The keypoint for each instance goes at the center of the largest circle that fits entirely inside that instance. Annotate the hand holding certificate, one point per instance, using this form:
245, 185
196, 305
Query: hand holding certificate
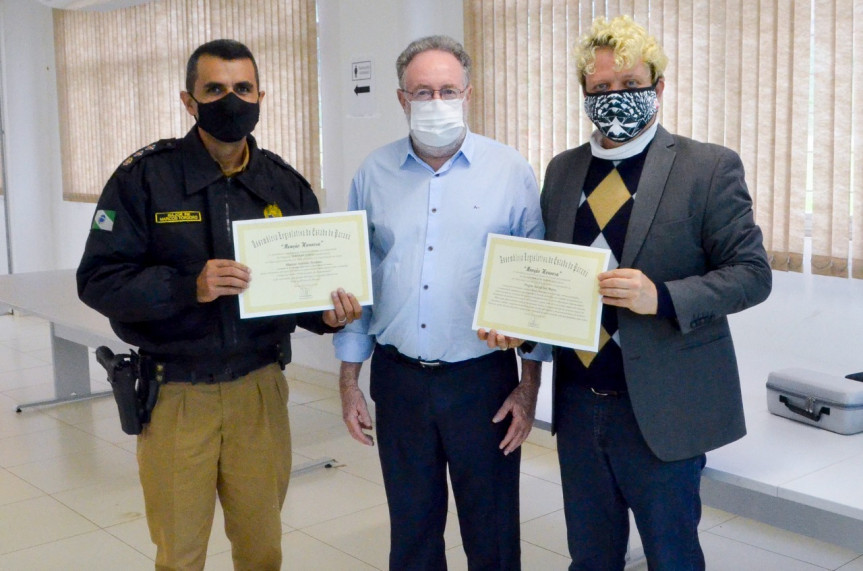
542, 291
298, 261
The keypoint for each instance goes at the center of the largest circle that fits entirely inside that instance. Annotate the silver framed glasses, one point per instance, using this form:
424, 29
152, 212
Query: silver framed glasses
446, 93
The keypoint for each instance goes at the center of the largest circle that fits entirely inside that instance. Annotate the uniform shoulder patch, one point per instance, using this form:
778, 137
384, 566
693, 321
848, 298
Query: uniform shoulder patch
282, 163
152, 148
104, 220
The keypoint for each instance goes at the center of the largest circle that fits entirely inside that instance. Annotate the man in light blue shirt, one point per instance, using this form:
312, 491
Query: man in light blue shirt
443, 398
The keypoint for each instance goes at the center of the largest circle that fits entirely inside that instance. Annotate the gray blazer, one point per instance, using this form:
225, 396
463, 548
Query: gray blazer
692, 228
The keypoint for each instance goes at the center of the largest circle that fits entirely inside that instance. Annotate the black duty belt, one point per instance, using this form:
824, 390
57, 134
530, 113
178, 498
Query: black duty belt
204, 370
395, 355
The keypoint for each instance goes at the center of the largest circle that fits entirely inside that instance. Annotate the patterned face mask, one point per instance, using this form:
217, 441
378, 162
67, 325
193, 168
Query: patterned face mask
622, 115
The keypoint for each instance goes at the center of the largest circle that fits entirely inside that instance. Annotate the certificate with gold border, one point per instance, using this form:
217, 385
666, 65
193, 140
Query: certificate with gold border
541, 291
298, 261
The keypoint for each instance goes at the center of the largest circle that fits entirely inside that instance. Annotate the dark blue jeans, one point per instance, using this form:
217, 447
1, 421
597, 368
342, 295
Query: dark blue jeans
606, 467
431, 420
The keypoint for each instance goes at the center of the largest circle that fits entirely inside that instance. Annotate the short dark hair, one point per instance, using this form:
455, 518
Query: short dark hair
223, 49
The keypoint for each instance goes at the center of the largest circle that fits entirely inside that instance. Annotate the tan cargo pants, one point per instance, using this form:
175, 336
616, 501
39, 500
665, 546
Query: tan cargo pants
228, 440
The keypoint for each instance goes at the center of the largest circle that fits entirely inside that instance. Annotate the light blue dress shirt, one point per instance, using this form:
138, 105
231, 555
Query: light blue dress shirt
427, 233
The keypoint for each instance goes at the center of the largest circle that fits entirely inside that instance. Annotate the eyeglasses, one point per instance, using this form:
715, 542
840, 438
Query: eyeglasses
447, 94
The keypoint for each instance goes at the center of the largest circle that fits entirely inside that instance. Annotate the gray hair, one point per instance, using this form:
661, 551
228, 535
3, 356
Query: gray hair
440, 43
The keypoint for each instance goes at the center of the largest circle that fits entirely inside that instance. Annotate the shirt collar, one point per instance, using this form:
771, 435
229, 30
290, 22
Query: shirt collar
244, 163
466, 151
200, 170
625, 151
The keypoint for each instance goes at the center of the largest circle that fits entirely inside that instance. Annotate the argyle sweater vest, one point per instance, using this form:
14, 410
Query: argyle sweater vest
601, 221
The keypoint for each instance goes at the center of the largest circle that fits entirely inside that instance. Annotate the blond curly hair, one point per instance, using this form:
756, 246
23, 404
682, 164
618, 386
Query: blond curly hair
630, 43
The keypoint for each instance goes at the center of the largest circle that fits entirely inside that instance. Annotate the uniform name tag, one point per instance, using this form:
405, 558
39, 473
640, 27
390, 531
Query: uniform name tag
178, 216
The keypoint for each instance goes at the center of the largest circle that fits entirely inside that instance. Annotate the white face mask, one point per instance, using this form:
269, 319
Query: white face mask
437, 123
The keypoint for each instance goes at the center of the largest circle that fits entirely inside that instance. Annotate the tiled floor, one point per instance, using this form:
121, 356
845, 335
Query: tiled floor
70, 499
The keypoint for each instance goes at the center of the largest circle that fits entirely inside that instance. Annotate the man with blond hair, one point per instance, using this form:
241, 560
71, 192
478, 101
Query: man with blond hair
635, 419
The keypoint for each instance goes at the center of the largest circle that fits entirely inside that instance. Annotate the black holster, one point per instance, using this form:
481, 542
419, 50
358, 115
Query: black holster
134, 393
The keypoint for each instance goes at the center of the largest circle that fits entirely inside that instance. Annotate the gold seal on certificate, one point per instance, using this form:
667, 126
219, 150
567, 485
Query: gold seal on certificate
541, 291
297, 261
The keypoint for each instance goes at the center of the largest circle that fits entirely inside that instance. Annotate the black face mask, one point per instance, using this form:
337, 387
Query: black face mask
228, 119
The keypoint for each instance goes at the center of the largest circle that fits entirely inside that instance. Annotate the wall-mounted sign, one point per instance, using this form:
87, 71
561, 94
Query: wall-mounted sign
362, 87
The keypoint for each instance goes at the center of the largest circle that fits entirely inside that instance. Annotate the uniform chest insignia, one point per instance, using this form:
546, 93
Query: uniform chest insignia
272, 211
178, 216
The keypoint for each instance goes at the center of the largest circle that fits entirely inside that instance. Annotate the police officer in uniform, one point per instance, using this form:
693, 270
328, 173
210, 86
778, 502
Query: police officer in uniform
159, 263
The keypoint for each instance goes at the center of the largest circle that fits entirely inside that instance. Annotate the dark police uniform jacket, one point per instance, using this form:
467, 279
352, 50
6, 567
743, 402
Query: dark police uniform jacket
166, 211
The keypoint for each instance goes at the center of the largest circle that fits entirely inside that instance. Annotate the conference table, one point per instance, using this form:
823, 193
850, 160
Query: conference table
75, 328
52, 296
784, 473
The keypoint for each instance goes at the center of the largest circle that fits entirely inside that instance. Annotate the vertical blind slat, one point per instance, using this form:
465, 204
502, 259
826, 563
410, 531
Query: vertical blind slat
120, 73
739, 75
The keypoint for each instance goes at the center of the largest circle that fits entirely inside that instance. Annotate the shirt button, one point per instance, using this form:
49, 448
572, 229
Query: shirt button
431, 248
434, 210
425, 286
423, 325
